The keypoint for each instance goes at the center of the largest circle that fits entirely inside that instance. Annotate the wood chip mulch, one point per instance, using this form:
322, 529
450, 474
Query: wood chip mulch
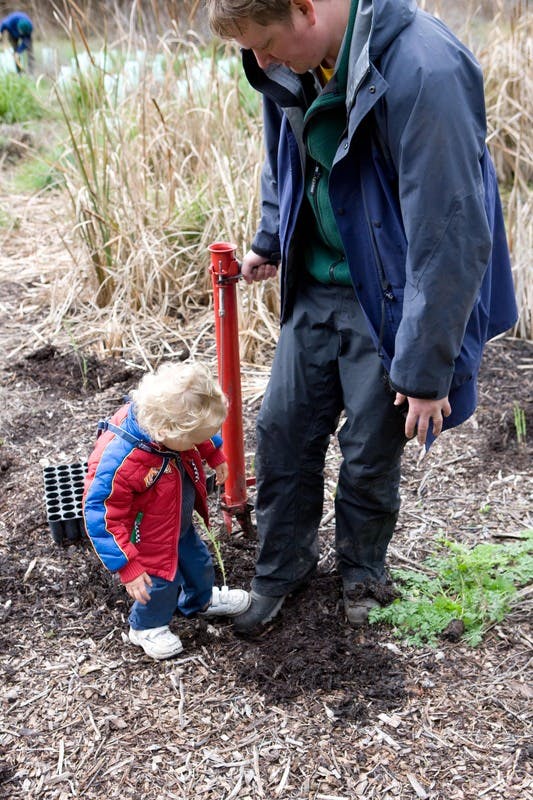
311, 709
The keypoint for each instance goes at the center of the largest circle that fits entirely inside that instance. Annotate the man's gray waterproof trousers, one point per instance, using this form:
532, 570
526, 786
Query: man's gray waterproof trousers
325, 363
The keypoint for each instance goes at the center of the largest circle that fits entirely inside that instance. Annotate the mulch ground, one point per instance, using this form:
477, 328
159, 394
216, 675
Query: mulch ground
311, 709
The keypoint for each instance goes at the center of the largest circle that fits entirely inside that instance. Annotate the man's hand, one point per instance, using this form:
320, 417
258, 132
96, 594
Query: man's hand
421, 412
138, 588
257, 268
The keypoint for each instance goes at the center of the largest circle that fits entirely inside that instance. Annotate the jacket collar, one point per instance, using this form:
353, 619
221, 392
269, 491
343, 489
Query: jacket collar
377, 23
286, 88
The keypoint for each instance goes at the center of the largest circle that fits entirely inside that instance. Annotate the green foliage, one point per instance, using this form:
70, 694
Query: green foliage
19, 101
477, 586
37, 174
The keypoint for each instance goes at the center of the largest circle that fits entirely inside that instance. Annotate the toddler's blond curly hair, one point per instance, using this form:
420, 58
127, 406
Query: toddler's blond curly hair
177, 399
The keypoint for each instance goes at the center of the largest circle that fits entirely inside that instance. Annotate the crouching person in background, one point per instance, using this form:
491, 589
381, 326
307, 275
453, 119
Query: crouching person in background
19, 29
144, 479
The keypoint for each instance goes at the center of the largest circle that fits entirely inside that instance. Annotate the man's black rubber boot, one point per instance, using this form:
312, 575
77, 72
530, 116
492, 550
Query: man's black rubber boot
361, 597
357, 609
261, 610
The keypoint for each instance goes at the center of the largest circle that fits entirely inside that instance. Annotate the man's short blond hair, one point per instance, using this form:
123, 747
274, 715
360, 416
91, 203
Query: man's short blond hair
228, 18
178, 399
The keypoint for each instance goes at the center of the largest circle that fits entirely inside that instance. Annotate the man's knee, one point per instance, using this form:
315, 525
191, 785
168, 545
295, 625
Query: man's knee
371, 490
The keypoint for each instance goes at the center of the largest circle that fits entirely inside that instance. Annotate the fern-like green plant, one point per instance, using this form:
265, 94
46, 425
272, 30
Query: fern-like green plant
476, 585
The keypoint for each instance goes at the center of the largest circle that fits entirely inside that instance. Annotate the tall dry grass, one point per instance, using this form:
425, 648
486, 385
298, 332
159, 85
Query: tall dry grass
154, 177
158, 174
507, 59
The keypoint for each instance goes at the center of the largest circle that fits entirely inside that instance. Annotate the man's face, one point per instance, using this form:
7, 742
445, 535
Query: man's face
293, 42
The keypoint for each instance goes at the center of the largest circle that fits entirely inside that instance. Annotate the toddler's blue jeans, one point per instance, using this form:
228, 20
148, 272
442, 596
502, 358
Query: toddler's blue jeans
189, 592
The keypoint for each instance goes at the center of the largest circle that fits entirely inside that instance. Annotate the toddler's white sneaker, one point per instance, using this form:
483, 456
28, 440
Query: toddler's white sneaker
158, 643
226, 602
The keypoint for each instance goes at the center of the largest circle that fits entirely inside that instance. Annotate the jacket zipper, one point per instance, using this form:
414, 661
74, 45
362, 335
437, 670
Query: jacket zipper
317, 174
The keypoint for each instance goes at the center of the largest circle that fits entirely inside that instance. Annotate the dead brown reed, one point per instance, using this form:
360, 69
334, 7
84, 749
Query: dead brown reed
507, 60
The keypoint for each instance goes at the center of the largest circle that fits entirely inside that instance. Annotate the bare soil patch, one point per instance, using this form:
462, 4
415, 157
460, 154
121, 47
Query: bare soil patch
311, 708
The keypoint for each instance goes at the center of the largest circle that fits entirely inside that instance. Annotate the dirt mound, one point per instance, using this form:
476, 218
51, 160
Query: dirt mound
71, 373
309, 653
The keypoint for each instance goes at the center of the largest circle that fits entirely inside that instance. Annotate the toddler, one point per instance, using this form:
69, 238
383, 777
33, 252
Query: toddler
144, 479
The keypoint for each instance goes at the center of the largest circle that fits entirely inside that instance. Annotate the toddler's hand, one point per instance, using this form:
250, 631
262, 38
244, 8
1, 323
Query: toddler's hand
221, 473
138, 588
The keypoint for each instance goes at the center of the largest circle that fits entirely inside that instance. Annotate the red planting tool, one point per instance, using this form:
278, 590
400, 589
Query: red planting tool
225, 272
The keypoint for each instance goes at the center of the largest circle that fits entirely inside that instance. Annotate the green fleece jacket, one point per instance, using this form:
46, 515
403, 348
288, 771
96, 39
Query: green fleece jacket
324, 124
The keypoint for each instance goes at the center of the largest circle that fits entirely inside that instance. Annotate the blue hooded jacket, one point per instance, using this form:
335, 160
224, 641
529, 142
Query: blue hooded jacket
414, 194
20, 28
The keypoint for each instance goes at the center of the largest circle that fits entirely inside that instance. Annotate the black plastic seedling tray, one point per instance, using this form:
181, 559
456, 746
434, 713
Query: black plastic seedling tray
63, 489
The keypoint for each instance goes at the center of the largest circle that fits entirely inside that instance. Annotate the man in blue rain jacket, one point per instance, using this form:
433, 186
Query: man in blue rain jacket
19, 28
380, 202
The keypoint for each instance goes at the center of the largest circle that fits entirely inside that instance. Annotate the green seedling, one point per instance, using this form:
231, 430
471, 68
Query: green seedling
81, 359
520, 424
213, 538
476, 586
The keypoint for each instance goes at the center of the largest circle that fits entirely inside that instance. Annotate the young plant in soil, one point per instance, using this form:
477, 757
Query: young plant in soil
462, 594
213, 538
520, 425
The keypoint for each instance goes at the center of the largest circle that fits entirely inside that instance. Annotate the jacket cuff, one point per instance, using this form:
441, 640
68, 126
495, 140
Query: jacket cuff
211, 451
262, 249
130, 571
409, 393
216, 458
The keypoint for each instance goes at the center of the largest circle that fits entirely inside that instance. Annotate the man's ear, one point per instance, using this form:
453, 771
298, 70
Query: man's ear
305, 7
